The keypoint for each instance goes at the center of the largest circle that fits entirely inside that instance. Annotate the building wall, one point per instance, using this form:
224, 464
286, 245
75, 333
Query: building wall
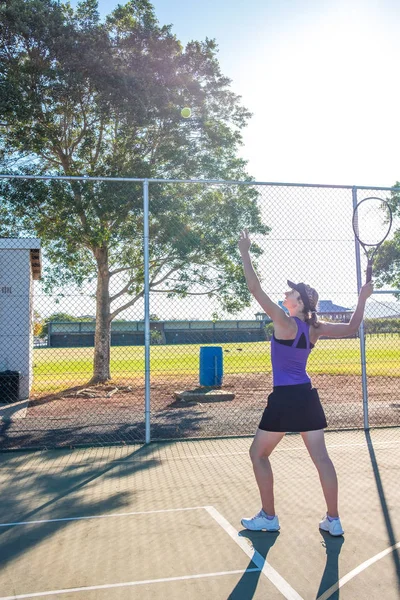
16, 329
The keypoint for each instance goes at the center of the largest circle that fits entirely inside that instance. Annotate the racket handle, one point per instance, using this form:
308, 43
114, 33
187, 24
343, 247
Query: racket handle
369, 273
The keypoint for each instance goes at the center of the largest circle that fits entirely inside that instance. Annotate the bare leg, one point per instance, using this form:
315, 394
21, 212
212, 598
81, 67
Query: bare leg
263, 444
315, 443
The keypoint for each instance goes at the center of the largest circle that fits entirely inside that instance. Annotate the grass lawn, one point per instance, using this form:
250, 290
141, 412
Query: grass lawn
57, 368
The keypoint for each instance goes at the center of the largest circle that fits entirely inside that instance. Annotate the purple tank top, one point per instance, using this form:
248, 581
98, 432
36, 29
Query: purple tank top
289, 362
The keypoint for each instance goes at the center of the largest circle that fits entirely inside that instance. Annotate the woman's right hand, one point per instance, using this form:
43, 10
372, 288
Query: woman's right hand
244, 241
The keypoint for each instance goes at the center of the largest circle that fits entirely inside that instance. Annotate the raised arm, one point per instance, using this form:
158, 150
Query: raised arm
272, 309
338, 330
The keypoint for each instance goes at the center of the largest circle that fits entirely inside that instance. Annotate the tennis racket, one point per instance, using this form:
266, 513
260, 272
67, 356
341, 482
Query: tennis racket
372, 220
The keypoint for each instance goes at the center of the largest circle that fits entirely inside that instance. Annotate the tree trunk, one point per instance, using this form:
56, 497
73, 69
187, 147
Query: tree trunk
102, 339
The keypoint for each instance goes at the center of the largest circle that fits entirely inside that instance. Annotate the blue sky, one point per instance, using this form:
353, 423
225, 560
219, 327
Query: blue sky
321, 79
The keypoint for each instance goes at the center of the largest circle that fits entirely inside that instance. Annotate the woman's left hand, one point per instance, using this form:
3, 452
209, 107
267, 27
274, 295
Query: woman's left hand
366, 290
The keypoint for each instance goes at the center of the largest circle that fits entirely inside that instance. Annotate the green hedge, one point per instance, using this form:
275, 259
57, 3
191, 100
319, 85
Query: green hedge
382, 326
269, 330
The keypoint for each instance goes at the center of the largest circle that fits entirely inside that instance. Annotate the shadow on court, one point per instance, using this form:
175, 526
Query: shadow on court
262, 543
330, 576
67, 495
384, 505
97, 429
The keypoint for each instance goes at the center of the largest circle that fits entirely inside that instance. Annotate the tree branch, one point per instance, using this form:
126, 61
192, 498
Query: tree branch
122, 291
98, 145
154, 283
153, 264
52, 161
121, 270
190, 293
125, 306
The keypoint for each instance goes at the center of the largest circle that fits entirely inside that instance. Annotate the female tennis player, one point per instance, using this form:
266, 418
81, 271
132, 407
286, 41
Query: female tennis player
294, 405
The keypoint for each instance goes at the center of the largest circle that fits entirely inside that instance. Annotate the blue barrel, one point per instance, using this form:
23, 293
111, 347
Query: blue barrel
211, 365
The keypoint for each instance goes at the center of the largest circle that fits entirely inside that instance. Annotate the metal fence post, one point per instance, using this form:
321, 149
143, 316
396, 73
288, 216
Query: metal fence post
146, 310
362, 328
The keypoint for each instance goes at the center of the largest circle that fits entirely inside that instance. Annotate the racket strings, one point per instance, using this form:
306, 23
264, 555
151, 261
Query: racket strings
372, 221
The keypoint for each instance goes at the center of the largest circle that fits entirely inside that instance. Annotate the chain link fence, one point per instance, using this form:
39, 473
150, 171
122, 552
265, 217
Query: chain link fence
125, 316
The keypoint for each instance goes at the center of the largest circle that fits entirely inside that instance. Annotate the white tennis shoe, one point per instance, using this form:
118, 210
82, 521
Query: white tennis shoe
333, 527
260, 523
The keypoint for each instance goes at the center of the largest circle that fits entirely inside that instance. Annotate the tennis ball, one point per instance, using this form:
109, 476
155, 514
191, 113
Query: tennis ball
186, 112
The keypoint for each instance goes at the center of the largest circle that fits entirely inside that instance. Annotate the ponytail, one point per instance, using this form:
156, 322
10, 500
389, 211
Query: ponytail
311, 318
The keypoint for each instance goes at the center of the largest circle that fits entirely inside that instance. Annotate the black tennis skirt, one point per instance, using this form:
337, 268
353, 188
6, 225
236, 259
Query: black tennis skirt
293, 408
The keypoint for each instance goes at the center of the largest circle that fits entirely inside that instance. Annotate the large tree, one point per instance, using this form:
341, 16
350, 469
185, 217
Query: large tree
81, 96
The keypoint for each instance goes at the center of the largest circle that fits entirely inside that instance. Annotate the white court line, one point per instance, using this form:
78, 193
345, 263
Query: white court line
277, 580
110, 516
328, 593
109, 586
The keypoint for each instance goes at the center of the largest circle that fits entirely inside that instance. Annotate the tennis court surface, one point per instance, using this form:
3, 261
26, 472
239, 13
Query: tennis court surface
163, 520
